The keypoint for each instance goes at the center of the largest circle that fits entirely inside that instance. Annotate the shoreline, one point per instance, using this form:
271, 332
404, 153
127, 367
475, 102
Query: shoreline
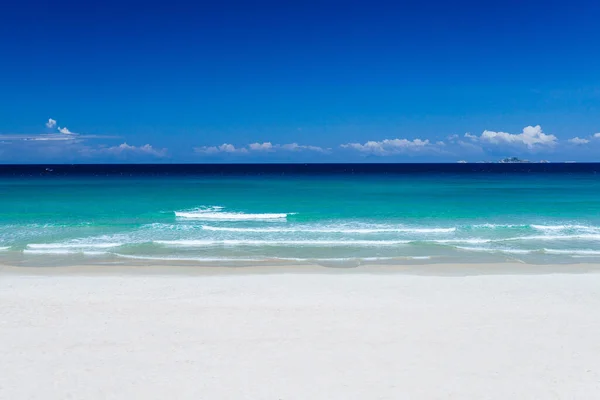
442, 269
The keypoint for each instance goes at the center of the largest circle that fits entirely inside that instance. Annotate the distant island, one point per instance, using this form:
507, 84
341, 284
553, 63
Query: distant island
517, 160
509, 160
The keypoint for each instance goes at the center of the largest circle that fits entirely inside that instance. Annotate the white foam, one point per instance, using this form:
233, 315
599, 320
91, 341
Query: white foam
482, 249
518, 238
228, 216
337, 259
64, 252
491, 250
340, 229
580, 252
215, 214
198, 259
592, 237
552, 237
466, 240
263, 259
516, 251
59, 246
543, 228
554, 228
316, 243
496, 226
5, 248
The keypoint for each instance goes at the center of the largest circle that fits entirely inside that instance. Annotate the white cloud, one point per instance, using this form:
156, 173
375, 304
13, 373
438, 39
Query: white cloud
229, 148
390, 146
577, 140
37, 138
224, 148
256, 147
299, 147
52, 137
532, 136
125, 148
597, 135
266, 146
63, 135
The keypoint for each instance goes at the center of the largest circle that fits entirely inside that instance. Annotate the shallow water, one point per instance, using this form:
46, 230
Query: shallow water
337, 219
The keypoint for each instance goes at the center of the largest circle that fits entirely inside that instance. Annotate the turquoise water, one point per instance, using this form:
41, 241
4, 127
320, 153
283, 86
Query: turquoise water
337, 219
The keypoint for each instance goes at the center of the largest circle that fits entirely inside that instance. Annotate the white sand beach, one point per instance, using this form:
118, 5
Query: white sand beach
360, 334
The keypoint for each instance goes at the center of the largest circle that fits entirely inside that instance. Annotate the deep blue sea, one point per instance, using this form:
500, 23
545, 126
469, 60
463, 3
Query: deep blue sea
329, 214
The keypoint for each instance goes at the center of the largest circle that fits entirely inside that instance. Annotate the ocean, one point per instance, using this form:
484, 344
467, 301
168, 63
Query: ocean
328, 214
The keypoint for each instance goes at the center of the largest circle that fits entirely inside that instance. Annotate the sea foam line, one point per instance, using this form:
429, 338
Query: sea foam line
586, 252
495, 226
264, 259
316, 243
59, 246
331, 259
491, 250
198, 259
64, 252
554, 228
573, 252
518, 238
359, 243
328, 230
230, 216
552, 237
543, 228
450, 241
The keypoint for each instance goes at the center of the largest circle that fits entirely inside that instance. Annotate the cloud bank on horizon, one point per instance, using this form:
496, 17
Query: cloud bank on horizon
59, 144
265, 147
62, 145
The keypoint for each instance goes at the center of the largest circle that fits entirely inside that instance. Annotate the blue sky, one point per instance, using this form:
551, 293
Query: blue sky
328, 81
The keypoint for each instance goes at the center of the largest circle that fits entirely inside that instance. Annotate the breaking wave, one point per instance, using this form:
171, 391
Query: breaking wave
216, 214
